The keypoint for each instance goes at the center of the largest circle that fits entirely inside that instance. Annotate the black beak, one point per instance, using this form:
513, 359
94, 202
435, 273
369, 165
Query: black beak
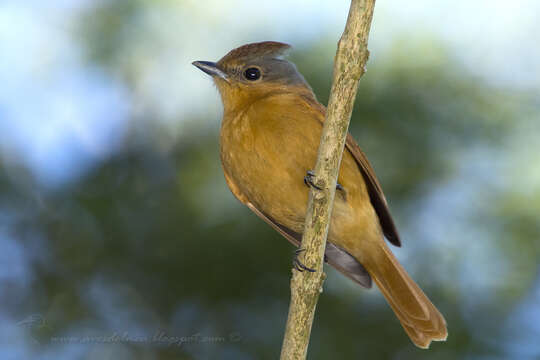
210, 68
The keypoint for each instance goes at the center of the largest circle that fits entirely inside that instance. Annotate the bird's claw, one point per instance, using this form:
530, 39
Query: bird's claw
308, 180
297, 264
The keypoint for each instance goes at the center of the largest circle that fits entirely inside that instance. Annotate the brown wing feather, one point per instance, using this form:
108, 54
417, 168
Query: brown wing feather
376, 195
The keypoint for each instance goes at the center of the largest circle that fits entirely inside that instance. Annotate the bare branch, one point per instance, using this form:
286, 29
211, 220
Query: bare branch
349, 66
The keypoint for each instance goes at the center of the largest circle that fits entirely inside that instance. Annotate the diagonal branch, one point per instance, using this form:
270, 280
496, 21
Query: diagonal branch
349, 66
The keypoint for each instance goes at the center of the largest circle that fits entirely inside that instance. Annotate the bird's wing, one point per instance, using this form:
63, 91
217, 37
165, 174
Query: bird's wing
376, 195
340, 259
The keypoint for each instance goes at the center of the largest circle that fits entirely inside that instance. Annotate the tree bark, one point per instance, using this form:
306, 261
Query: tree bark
349, 66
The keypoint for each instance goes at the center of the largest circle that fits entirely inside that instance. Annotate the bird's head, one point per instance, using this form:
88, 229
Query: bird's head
253, 71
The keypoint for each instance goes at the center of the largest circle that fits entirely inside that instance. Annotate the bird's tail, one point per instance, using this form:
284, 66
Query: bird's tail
418, 316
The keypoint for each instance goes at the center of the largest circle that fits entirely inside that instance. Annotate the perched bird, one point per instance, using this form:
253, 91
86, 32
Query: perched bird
270, 134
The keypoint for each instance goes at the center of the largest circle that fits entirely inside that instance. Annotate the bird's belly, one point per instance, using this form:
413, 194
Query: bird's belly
271, 184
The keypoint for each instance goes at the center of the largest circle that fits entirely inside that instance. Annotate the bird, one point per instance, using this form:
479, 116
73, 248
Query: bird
270, 132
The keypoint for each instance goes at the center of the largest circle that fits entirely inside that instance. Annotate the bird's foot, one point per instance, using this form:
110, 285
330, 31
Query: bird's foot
297, 264
308, 180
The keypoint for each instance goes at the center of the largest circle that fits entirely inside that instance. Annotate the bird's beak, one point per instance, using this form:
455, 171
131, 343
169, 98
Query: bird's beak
211, 69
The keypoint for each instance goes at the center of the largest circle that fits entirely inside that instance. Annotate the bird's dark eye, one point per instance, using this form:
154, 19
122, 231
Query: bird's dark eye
252, 74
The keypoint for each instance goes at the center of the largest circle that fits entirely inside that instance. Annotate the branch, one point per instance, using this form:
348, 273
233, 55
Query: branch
349, 66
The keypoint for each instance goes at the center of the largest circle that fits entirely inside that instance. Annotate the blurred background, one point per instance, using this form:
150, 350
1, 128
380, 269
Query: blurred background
120, 240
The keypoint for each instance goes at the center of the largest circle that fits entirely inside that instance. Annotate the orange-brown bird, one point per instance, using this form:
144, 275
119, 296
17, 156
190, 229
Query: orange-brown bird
270, 134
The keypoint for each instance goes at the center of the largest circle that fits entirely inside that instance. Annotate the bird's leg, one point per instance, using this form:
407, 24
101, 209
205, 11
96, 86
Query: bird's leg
297, 264
342, 191
308, 180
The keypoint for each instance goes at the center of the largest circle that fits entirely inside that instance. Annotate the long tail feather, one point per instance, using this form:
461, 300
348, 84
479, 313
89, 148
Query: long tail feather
418, 316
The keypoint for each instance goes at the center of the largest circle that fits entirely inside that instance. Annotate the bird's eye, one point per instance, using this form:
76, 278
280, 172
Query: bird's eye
252, 74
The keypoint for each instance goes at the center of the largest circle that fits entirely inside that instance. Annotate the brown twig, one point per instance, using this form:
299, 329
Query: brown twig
349, 66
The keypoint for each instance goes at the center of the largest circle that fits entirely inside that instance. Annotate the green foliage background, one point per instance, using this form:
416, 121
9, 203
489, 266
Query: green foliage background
150, 241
